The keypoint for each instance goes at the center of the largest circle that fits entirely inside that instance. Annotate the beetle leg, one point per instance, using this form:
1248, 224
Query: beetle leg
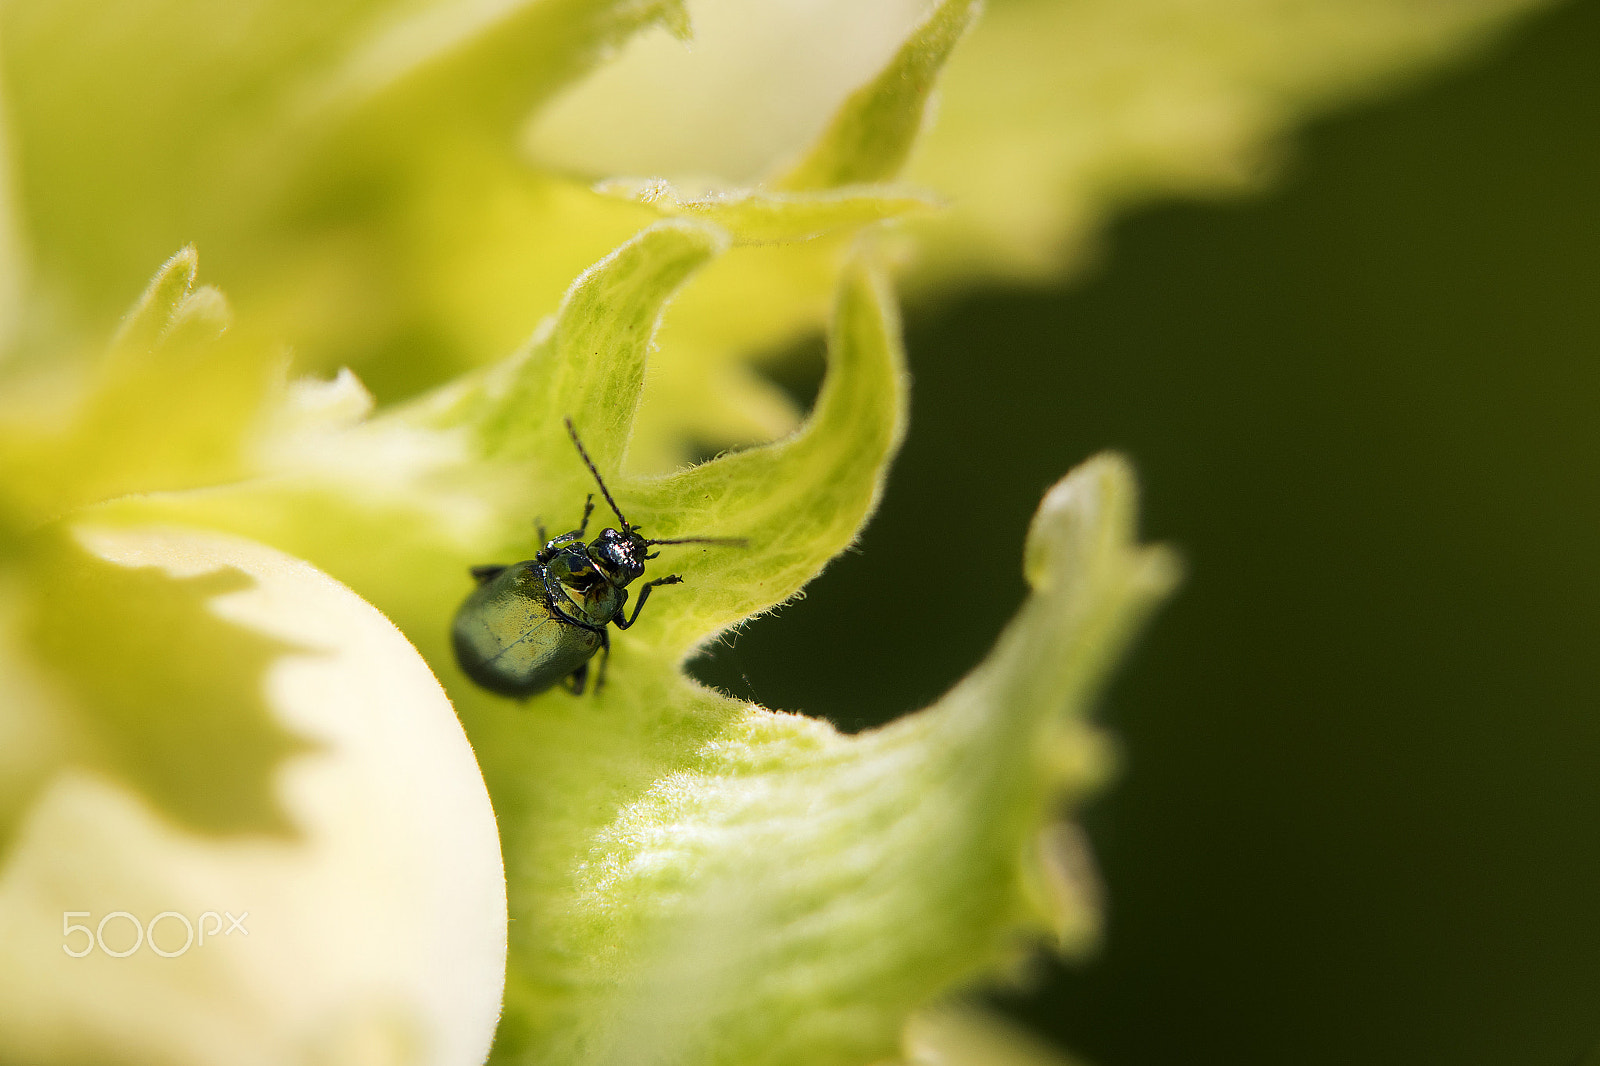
544, 538
605, 660
578, 534
484, 574
575, 681
644, 594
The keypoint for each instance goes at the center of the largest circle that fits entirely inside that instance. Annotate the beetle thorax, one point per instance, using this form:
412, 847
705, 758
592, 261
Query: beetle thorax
580, 589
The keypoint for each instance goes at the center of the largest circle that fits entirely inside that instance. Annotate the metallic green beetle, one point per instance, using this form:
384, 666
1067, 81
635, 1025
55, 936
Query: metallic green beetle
531, 624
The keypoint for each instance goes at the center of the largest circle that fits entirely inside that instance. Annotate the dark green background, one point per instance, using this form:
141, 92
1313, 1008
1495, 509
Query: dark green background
1360, 817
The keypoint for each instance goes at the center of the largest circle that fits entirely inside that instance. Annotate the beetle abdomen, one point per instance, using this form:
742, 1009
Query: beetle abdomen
509, 641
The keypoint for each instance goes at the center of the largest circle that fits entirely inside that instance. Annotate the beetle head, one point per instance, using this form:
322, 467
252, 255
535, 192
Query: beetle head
619, 555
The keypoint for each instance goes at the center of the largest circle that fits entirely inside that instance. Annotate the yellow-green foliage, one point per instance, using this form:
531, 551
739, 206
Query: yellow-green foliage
688, 878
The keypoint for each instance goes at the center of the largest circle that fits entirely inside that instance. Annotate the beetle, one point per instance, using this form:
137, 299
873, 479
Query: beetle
527, 626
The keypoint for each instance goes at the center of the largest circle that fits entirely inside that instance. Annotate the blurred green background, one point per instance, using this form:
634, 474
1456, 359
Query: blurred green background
1359, 820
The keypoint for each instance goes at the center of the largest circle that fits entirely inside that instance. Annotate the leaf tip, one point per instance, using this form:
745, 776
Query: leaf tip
1090, 512
150, 315
674, 18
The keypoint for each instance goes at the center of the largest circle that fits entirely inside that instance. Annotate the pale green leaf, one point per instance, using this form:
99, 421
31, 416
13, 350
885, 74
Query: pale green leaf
692, 878
873, 132
351, 169
196, 727
1055, 115
755, 299
247, 128
654, 815
127, 120
780, 893
759, 299
153, 689
588, 363
464, 474
800, 500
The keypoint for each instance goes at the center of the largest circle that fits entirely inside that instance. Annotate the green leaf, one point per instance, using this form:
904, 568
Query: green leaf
457, 478
128, 120
588, 364
872, 134
352, 168
1052, 117
759, 298
798, 501
780, 893
463, 475
691, 878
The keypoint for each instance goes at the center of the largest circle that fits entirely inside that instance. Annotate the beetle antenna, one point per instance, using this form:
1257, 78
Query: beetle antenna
573, 433
736, 541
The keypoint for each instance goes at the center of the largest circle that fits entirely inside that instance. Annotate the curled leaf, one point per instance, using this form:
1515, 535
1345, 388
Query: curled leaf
470, 470
174, 402
801, 500
872, 133
787, 894
661, 838
587, 363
